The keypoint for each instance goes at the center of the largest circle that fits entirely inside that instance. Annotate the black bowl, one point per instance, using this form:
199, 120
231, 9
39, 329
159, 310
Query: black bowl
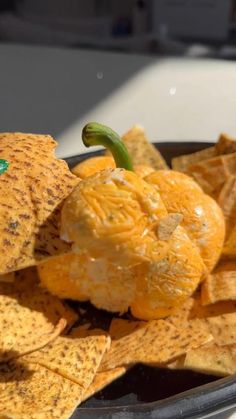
147, 392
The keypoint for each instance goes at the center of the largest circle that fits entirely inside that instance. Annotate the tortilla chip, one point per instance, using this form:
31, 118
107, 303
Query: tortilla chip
36, 183
76, 359
227, 202
225, 144
198, 311
222, 348
181, 163
29, 317
182, 314
222, 328
120, 327
103, 379
211, 174
154, 342
32, 391
212, 359
220, 285
141, 150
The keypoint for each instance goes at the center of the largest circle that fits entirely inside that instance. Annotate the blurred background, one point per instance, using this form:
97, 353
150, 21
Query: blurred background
177, 27
168, 65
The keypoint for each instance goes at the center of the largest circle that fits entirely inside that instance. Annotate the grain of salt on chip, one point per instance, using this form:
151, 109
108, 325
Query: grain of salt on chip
155, 342
29, 317
76, 359
32, 391
36, 183
220, 285
103, 379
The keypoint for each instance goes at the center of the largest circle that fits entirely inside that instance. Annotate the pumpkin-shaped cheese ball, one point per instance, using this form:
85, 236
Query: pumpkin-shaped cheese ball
123, 234
203, 219
133, 249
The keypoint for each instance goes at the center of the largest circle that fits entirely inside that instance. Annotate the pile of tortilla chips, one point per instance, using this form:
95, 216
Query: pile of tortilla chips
49, 365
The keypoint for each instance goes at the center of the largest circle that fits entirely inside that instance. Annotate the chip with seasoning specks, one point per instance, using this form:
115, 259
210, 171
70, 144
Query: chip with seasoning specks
212, 359
30, 317
74, 358
36, 183
220, 285
154, 342
32, 391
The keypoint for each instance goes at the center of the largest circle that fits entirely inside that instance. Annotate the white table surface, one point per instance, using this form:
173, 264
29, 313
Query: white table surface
56, 91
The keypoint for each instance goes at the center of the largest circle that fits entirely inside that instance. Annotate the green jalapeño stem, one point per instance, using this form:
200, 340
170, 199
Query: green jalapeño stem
3, 166
98, 134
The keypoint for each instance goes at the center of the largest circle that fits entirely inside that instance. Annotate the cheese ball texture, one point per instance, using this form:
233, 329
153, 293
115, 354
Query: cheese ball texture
122, 226
203, 219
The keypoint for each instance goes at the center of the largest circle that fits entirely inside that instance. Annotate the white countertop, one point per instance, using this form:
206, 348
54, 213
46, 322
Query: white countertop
57, 91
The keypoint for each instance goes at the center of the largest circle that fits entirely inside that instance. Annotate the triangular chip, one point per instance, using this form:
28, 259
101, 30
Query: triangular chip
141, 150
225, 144
74, 358
155, 342
31, 192
227, 202
211, 174
212, 359
198, 311
220, 285
29, 317
103, 379
32, 391
181, 163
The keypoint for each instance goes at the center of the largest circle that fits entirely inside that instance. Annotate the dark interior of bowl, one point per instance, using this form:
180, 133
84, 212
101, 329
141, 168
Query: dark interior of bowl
142, 385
